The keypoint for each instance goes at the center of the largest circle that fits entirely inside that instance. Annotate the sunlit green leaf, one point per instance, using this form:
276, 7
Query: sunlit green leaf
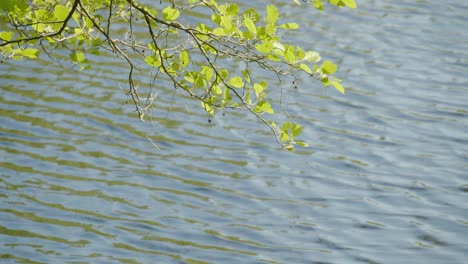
219, 31
318, 4
272, 14
312, 56
325, 81
223, 73
232, 9
338, 86
305, 68
246, 75
184, 58
259, 88
265, 107
190, 76
30, 53
153, 61
350, 3
286, 126
289, 54
208, 108
252, 14
265, 47
284, 136
13, 5
226, 23
6, 35
249, 24
61, 12
279, 46
170, 14
89, 23
274, 125
302, 144
328, 67
270, 29
78, 57
216, 90
207, 72
296, 130
236, 82
290, 26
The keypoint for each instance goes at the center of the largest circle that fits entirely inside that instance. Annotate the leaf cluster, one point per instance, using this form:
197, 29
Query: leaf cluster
196, 58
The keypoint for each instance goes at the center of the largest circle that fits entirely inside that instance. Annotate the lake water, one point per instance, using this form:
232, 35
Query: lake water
384, 181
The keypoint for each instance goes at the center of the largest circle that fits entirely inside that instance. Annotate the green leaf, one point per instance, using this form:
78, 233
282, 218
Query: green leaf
302, 144
299, 53
312, 56
208, 108
190, 76
226, 23
219, 31
328, 67
223, 73
246, 75
153, 47
232, 10
78, 57
325, 81
290, 26
305, 68
216, 18
252, 14
170, 14
61, 12
259, 88
247, 98
274, 125
289, 55
216, 90
226, 96
6, 35
249, 24
338, 86
88, 22
184, 58
265, 107
236, 82
318, 4
30, 53
200, 81
13, 5
286, 126
207, 72
270, 29
296, 130
284, 136
272, 14
265, 47
350, 3
153, 60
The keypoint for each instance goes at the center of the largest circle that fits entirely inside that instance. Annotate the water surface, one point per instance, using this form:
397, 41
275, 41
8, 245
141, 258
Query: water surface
384, 180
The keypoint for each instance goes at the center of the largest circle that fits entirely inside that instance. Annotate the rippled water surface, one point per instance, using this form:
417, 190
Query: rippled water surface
384, 181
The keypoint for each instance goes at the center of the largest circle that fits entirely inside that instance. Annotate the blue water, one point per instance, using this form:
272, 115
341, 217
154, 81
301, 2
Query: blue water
384, 181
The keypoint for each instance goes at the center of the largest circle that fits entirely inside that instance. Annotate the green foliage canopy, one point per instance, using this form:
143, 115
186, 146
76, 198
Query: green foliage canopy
195, 58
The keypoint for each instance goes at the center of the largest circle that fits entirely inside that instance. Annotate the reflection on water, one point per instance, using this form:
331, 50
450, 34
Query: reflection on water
385, 178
